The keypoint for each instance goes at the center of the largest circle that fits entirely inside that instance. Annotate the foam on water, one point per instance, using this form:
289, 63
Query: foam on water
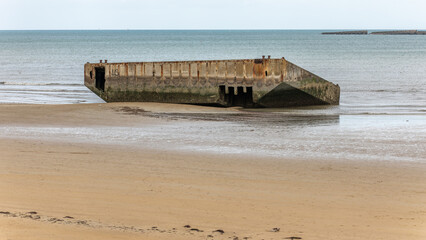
46, 94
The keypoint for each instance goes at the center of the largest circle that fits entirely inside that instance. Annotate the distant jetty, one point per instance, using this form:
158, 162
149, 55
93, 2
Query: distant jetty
346, 33
365, 32
401, 32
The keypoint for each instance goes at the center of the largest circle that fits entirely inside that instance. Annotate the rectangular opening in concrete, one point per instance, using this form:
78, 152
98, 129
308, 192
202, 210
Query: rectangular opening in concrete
100, 78
239, 98
249, 97
243, 99
229, 98
222, 93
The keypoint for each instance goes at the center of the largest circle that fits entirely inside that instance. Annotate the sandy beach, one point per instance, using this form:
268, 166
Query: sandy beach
69, 187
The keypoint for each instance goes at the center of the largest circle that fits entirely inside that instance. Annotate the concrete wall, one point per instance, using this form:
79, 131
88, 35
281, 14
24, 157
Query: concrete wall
198, 82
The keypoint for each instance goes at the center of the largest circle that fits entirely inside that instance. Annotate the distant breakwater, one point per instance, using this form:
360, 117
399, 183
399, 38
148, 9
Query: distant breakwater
346, 33
365, 32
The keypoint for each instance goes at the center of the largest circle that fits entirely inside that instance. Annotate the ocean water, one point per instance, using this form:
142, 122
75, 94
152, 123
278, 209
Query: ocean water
377, 74
382, 114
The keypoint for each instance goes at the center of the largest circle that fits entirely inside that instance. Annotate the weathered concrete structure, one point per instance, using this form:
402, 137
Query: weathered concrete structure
262, 82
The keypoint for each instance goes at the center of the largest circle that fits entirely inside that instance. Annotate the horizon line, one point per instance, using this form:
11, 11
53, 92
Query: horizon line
214, 29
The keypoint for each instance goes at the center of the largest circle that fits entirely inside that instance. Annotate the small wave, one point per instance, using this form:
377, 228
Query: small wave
40, 84
40, 91
413, 113
64, 84
404, 90
384, 106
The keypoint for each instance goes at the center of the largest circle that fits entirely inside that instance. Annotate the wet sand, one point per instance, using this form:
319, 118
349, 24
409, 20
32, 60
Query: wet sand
69, 188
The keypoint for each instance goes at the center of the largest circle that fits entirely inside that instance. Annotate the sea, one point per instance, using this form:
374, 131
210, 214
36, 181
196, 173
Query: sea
382, 112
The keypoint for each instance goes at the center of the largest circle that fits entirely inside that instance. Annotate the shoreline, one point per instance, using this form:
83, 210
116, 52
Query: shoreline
122, 192
228, 131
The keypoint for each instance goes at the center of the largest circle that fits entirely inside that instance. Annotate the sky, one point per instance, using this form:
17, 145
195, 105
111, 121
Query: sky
212, 14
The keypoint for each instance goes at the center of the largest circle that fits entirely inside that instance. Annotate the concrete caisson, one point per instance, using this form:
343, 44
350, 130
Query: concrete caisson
261, 82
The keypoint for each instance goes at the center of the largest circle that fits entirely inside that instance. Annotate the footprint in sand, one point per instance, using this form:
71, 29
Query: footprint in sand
55, 220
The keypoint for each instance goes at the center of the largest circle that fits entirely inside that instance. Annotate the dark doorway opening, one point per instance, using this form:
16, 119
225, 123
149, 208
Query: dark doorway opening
100, 78
244, 99
222, 92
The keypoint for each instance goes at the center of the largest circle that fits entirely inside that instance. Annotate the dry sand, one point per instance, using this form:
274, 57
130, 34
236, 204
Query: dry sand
93, 191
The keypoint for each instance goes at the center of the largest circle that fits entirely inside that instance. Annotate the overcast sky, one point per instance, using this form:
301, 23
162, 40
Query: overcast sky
212, 14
